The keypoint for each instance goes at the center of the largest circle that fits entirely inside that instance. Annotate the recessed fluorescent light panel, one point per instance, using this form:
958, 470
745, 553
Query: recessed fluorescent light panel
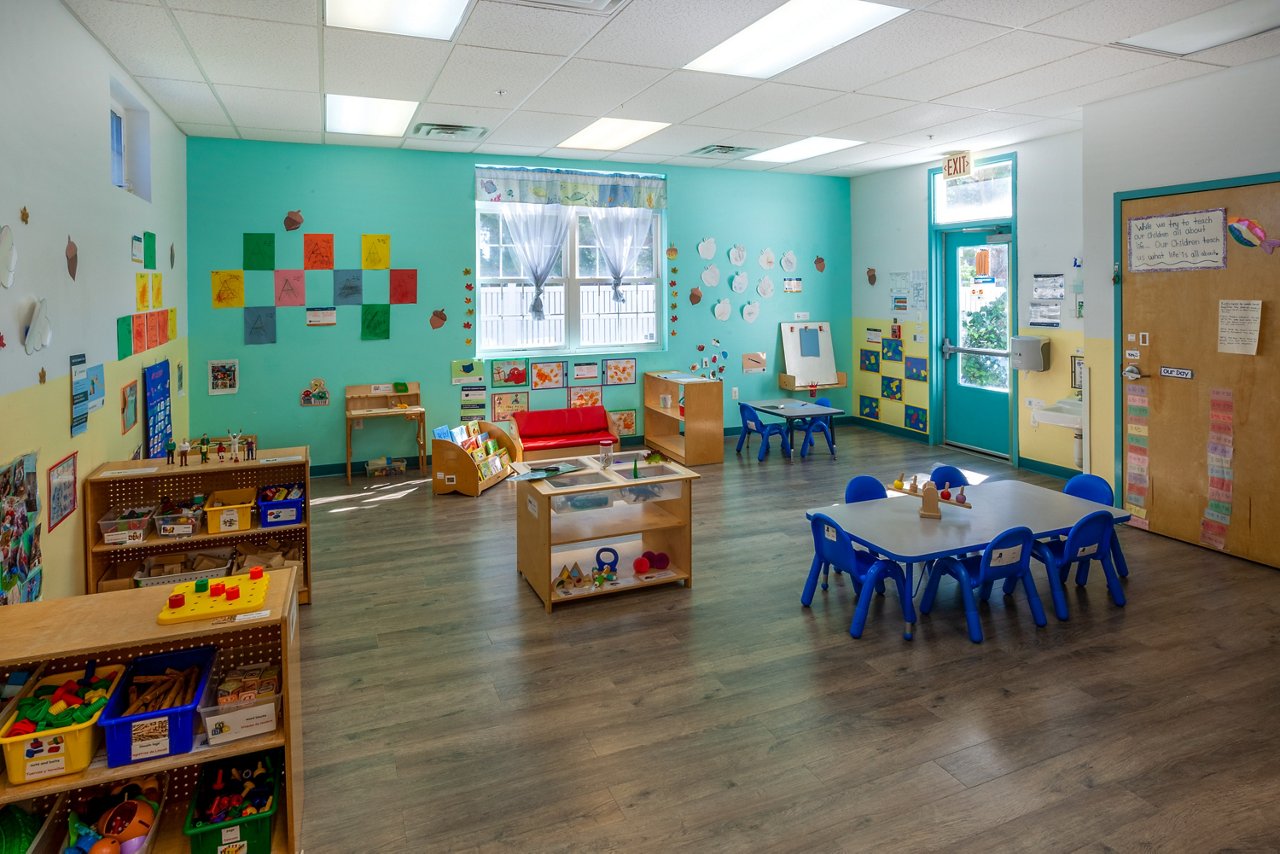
792, 33
1219, 26
611, 134
427, 19
804, 149
369, 116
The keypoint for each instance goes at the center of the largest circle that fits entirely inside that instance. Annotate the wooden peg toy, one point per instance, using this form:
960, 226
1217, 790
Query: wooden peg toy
897, 484
929, 502
960, 499
945, 494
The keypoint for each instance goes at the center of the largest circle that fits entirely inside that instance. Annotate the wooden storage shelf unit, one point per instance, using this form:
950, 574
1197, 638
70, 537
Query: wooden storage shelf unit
550, 535
694, 438
142, 483
381, 401
454, 470
115, 628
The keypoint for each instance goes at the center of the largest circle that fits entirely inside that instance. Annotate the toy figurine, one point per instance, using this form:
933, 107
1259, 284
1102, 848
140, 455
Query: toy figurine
184, 448
222, 452
169, 447
235, 444
249, 447
204, 448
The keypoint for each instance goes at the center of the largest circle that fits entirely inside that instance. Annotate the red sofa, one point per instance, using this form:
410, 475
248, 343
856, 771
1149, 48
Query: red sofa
549, 433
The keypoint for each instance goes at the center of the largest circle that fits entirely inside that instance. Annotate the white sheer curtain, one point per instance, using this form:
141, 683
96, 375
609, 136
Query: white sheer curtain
622, 233
538, 233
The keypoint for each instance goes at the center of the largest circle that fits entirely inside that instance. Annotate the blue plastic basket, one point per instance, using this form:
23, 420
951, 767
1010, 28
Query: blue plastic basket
161, 733
288, 511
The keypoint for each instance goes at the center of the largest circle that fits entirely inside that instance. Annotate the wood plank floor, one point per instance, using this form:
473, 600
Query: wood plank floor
444, 710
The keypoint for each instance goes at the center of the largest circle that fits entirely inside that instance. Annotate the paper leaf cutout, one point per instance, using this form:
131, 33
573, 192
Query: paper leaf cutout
40, 332
172, 256
73, 257
43, 376
24, 216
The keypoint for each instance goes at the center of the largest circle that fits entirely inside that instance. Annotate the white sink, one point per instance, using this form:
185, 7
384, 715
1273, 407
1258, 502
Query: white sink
1065, 413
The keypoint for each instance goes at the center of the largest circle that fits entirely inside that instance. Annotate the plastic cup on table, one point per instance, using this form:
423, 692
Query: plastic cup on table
606, 453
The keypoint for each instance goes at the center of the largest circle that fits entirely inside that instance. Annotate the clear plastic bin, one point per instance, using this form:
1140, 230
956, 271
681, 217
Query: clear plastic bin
117, 531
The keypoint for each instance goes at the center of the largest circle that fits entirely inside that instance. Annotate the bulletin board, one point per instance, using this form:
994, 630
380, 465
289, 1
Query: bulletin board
1198, 440
807, 353
155, 386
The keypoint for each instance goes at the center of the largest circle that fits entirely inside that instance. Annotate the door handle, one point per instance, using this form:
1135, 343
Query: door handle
948, 348
1132, 372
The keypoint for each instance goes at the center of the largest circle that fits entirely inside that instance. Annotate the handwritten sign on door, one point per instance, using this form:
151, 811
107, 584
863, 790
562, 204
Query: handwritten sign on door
1196, 240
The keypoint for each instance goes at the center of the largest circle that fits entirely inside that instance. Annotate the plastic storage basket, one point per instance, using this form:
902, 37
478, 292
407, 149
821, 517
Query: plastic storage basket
54, 752
160, 733
235, 512
117, 531
184, 522
286, 511
252, 832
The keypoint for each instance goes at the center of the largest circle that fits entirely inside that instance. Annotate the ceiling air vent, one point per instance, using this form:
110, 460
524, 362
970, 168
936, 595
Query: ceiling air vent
456, 133
727, 151
600, 7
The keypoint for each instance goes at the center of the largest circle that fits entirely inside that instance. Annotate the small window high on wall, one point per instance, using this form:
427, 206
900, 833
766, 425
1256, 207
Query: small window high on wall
129, 138
987, 194
568, 260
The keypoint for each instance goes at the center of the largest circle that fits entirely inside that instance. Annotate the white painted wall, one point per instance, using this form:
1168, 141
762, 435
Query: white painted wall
54, 147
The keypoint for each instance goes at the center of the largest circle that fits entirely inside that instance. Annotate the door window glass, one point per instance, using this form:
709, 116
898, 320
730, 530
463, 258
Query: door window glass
983, 303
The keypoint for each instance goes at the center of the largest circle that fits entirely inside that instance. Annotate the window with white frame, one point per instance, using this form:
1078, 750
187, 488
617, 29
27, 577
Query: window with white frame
117, 145
580, 306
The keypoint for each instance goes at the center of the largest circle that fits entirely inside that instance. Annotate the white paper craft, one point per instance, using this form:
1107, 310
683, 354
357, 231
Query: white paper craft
738, 255
711, 276
750, 312
739, 282
40, 333
707, 248
766, 259
8, 256
723, 310
820, 369
765, 288
789, 261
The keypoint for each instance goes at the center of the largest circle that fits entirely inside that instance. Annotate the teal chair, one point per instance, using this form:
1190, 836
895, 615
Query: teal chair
753, 423
1007, 557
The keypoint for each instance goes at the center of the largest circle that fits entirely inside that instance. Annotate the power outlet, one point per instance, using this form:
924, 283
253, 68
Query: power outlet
733, 392
800, 315
1035, 403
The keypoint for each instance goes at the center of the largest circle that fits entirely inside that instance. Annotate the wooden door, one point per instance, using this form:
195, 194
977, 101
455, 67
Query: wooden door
1199, 438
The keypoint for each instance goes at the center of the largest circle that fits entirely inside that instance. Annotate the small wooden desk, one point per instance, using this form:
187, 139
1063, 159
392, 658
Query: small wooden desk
792, 411
364, 402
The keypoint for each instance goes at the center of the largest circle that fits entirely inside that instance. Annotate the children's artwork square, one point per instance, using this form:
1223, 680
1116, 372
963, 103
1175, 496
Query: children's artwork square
507, 402
869, 407
375, 322
290, 287
587, 395
891, 349
224, 376
317, 251
891, 388
916, 418
62, 490
348, 287
917, 368
157, 290
624, 422
809, 343
464, 371
260, 325
510, 372
128, 407
404, 287
259, 252
869, 360
619, 371
547, 374
375, 251
228, 288
586, 371
21, 579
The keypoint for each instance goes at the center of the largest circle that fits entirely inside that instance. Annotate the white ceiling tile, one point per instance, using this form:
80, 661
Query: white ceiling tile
360, 139
1106, 21
766, 103
1262, 46
504, 25
1083, 68
762, 140
377, 65
672, 33
452, 114
313, 137
681, 95
511, 150
143, 38
196, 129
902, 121
572, 154
838, 112
273, 109
585, 87
857, 154
751, 165
906, 42
699, 162
632, 157
1005, 13
245, 52
287, 11
1003, 55
1063, 104
474, 75
440, 145
975, 125
526, 127
184, 100
1022, 133
679, 139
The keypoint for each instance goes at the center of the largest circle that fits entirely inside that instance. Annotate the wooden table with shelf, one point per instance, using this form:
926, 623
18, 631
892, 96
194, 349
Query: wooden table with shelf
692, 435
115, 628
380, 401
142, 483
551, 533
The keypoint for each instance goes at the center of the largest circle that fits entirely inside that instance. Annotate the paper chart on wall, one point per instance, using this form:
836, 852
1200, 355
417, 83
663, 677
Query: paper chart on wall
1239, 321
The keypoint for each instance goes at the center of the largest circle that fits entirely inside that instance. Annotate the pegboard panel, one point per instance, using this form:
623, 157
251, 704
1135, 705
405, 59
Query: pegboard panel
228, 643
190, 480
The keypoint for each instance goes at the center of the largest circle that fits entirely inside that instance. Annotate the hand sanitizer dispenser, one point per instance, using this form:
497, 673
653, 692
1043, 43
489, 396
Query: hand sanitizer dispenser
1029, 353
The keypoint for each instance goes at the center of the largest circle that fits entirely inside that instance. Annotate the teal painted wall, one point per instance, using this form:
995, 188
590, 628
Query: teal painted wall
425, 201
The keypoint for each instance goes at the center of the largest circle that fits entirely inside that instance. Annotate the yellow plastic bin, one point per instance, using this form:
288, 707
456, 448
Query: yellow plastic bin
54, 752
230, 510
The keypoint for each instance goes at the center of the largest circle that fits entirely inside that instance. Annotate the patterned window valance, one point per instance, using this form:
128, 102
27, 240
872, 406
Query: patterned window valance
570, 187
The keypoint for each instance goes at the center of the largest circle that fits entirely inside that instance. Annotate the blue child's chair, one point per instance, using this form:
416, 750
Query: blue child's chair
753, 423
818, 424
833, 546
863, 487
944, 475
1007, 557
1088, 540
1093, 488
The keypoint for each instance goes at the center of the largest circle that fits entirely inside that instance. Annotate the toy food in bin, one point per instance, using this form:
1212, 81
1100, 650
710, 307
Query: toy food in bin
178, 518
235, 802
115, 817
51, 730
281, 505
229, 510
154, 713
125, 526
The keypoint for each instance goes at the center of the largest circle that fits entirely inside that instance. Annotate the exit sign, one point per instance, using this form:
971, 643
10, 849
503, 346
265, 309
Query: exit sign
958, 165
